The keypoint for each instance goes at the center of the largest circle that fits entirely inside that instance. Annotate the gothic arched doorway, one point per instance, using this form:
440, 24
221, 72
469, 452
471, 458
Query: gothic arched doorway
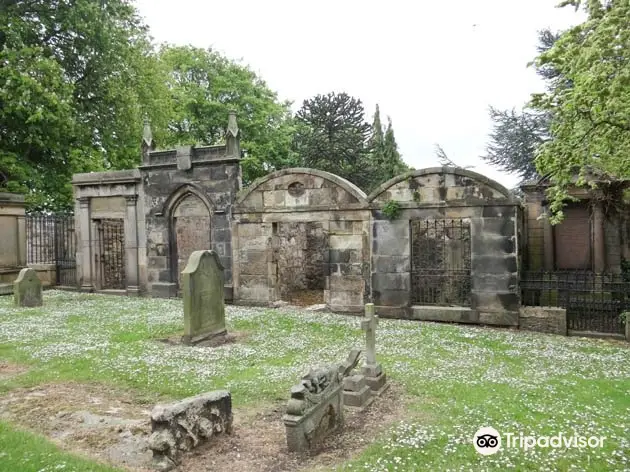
191, 232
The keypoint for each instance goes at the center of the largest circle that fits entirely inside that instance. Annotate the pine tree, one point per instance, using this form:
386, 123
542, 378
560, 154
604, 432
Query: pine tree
377, 140
392, 160
332, 135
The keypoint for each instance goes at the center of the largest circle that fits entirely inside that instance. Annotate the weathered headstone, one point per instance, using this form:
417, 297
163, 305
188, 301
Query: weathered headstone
27, 289
374, 375
315, 408
204, 306
186, 424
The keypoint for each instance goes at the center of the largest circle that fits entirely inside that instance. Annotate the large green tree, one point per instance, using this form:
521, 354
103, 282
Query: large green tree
76, 79
332, 135
204, 86
589, 101
516, 135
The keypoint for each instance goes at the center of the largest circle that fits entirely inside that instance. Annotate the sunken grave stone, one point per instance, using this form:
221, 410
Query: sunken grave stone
184, 425
27, 289
204, 306
315, 409
373, 371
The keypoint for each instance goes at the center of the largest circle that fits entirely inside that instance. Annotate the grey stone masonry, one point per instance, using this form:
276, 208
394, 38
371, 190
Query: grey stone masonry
181, 426
489, 293
187, 197
543, 319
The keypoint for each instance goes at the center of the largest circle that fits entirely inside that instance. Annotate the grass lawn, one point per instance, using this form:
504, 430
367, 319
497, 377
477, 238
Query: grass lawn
457, 378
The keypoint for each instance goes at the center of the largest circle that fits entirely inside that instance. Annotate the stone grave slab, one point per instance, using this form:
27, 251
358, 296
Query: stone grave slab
204, 305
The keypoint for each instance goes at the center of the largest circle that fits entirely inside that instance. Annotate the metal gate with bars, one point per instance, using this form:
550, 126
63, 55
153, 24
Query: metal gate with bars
110, 254
593, 302
51, 239
440, 262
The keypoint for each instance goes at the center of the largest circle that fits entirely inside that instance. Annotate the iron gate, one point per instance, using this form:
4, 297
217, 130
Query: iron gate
593, 302
110, 256
440, 262
51, 239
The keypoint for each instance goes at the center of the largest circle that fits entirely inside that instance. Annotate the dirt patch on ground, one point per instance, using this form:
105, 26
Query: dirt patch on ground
8, 370
113, 426
228, 338
303, 298
258, 442
108, 424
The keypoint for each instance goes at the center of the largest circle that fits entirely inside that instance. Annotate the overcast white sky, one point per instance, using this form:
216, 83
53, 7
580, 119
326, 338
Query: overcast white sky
433, 66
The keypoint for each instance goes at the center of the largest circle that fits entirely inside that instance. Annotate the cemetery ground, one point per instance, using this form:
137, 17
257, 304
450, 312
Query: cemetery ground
79, 376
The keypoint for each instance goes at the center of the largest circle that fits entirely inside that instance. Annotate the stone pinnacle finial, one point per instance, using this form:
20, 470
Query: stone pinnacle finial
232, 128
147, 134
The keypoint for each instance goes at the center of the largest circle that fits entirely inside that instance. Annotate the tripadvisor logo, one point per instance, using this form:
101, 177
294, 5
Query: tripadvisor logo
487, 441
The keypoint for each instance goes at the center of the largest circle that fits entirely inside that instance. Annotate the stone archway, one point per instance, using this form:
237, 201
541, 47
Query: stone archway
191, 231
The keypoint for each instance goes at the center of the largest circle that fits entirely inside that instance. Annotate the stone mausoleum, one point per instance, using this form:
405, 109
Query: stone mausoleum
439, 243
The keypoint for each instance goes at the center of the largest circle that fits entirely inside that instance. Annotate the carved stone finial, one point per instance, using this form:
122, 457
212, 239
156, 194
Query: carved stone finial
147, 134
232, 128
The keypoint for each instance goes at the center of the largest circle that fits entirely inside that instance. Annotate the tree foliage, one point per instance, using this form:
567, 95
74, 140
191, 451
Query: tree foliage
204, 86
516, 135
385, 159
393, 163
76, 78
332, 135
588, 101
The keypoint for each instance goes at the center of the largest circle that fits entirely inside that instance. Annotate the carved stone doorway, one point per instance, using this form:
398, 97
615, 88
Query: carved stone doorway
191, 232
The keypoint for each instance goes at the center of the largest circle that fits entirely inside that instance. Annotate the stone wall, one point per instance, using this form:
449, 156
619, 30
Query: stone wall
188, 193
447, 194
278, 207
348, 284
543, 319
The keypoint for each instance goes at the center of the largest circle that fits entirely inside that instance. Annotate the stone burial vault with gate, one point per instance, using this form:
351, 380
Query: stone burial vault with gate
432, 244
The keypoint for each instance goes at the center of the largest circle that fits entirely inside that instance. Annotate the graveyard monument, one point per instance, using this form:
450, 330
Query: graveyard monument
183, 425
373, 371
204, 306
27, 289
315, 409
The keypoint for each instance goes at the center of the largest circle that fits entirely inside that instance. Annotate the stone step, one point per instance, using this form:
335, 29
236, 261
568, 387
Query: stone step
6, 289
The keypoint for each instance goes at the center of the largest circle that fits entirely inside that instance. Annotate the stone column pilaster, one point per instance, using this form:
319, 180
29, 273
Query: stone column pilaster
85, 245
131, 245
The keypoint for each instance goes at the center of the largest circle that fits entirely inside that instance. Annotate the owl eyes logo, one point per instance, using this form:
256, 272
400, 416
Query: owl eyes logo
487, 441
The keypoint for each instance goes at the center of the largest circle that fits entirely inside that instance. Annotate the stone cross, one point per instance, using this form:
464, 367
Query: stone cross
368, 324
